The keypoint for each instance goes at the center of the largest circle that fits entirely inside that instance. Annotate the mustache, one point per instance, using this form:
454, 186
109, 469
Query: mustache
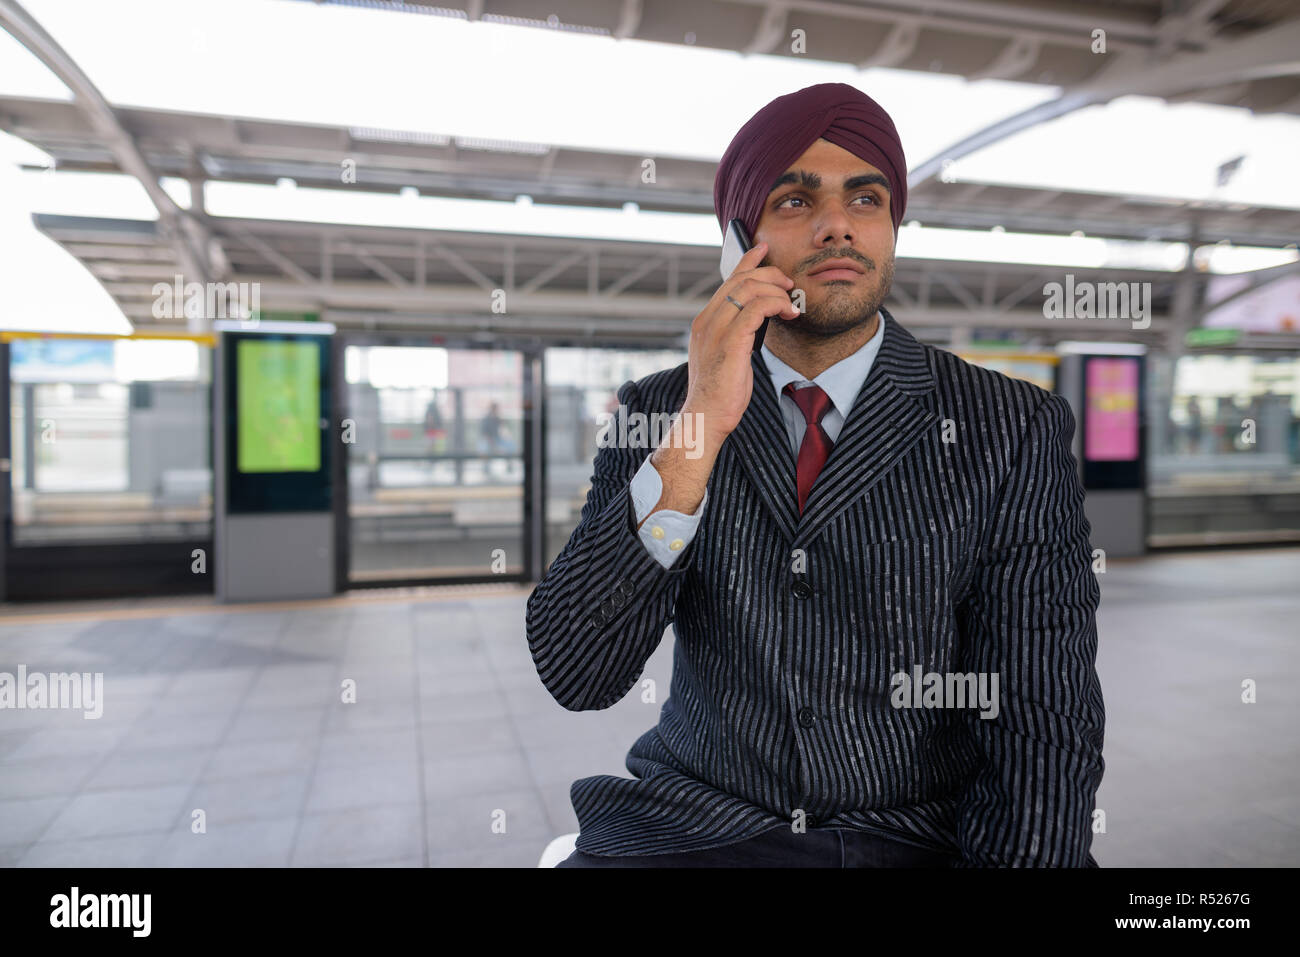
866, 262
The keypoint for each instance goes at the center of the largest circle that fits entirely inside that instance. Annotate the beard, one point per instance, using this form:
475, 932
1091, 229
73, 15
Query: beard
842, 305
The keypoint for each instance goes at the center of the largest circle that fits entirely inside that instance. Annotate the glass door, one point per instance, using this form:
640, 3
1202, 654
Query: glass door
435, 463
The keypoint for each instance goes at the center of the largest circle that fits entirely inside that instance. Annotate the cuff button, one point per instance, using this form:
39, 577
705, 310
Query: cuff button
656, 531
676, 544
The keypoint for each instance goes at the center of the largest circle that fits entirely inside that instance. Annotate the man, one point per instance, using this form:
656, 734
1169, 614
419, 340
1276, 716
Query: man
862, 533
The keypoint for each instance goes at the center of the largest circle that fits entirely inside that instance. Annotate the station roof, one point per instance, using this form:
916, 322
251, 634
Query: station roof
1231, 52
561, 289
1036, 41
228, 149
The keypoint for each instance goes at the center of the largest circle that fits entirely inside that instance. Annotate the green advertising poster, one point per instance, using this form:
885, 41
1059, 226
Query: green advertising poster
279, 406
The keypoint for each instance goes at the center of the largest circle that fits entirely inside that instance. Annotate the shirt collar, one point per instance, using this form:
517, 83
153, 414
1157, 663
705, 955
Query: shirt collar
841, 381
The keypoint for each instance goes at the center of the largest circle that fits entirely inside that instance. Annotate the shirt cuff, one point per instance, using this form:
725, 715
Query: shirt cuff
668, 528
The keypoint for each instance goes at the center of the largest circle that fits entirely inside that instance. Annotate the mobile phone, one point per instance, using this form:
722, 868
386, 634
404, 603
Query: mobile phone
735, 243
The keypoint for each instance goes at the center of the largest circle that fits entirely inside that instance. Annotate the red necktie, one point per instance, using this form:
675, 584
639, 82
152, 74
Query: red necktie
814, 403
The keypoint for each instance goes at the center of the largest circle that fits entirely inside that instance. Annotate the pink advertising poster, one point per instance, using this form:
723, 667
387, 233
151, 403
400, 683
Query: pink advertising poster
1112, 422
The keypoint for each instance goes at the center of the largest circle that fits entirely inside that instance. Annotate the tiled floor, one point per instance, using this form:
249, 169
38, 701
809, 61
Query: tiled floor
225, 740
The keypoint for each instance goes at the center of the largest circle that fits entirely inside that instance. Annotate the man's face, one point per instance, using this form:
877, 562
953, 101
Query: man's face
830, 204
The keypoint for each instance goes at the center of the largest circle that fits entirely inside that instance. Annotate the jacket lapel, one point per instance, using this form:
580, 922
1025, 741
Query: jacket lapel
886, 420
759, 441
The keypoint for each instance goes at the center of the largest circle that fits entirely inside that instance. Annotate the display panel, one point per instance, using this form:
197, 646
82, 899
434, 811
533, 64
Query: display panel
1113, 428
1112, 420
278, 406
276, 403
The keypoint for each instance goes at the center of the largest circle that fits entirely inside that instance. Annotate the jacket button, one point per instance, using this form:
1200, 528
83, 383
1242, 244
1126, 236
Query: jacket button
801, 589
807, 718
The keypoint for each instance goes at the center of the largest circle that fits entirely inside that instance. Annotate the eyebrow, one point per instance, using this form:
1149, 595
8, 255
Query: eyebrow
814, 182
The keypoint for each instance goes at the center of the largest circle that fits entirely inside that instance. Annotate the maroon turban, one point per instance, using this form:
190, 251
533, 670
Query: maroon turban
782, 131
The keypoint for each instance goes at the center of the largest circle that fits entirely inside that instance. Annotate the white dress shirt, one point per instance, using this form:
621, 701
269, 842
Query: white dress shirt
669, 532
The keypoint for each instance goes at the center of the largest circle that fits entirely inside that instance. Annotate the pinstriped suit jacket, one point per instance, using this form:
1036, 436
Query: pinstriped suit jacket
946, 530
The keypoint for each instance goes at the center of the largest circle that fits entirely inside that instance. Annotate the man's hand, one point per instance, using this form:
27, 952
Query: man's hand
721, 377
722, 341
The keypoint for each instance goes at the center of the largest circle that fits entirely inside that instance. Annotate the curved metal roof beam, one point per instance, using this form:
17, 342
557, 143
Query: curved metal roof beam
191, 240
1268, 53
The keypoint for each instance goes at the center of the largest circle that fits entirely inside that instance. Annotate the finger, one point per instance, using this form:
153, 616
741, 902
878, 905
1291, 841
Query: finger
773, 275
748, 260
753, 285
773, 305
746, 268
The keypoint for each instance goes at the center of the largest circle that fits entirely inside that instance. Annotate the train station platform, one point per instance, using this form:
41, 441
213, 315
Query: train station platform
237, 712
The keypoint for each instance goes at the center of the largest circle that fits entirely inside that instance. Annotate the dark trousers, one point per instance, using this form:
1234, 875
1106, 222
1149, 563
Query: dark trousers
782, 847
